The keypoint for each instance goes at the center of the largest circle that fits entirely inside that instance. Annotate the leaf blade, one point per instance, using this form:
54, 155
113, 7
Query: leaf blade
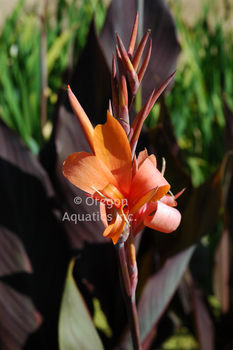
76, 329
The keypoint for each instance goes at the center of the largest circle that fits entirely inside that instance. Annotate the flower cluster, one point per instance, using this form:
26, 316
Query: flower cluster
126, 186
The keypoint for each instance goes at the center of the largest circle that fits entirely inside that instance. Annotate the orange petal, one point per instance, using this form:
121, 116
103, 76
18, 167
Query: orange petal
137, 220
103, 214
115, 229
168, 200
143, 200
146, 179
135, 166
143, 155
165, 219
84, 171
171, 200
153, 160
111, 197
118, 200
83, 119
112, 148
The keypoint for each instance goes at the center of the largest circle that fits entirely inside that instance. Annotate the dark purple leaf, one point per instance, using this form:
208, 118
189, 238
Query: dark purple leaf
165, 146
19, 318
96, 266
17, 260
203, 321
165, 122
165, 48
13, 305
221, 271
199, 206
91, 80
198, 218
81, 221
223, 261
91, 84
34, 252
157, 293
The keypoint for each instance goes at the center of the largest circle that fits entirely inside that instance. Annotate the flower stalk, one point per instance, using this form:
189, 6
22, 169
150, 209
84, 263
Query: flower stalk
128, 294
132, 192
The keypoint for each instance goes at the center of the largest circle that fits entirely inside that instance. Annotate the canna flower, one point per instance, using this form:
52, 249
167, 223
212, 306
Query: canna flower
136, 191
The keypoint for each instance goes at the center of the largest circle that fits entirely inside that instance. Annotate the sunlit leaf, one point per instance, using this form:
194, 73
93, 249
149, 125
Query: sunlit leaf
57, 46
76, 328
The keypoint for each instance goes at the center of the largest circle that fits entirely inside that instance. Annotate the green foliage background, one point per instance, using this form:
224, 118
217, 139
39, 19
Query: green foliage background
20, 62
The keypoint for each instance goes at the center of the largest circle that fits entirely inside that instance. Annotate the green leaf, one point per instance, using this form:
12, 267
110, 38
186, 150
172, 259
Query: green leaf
56, 48
76, 328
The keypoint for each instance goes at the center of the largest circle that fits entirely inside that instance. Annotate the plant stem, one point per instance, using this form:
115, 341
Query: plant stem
128, 296
132, 262
140, 7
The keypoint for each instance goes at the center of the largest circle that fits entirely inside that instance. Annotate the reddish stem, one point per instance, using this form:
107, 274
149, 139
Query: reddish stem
127, 294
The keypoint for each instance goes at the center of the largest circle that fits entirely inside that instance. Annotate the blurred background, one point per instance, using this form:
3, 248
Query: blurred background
40, 45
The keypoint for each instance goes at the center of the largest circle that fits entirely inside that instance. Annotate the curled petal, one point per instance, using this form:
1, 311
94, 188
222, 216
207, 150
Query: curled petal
143, 200
169, 200
143, 155
115, 228
111, 196
146, 179
85, 171
165, 219
153, 159
103, 214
